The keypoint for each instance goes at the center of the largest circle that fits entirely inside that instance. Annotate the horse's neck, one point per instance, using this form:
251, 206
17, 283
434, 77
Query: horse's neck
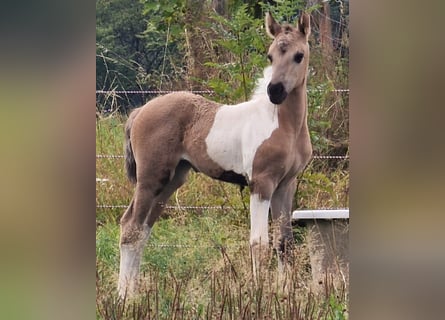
294, 109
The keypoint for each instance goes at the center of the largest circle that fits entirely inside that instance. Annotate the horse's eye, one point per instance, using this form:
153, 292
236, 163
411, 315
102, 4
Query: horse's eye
269, 57
298, 57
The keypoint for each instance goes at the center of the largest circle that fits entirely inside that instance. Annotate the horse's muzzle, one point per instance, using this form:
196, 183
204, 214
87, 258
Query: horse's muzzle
276, 92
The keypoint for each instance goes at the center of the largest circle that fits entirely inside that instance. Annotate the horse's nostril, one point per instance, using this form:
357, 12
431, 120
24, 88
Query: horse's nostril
275, 89
276, 92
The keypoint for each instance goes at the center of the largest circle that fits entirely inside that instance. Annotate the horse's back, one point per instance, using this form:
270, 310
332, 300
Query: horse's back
168, 123
174, 111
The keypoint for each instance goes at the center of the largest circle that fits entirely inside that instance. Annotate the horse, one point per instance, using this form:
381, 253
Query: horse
262, 143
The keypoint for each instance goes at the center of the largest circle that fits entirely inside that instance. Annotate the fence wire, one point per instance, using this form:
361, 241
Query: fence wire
152, 91
167, 207
210, 92
117, 156
187, 246
186, 207
222, 208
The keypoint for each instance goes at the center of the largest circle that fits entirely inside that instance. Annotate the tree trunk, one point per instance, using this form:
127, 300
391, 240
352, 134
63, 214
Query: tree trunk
326, 30
220, 6
322, 24
194, 42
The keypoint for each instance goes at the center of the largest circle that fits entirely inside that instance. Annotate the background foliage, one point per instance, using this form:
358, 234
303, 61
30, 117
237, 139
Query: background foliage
219, 45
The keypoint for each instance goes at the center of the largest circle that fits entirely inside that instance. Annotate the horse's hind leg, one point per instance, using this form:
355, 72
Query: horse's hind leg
146, 206
178, 180
134, 235
134, 229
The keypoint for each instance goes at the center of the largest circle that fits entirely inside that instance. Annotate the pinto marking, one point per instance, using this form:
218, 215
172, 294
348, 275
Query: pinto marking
238, 131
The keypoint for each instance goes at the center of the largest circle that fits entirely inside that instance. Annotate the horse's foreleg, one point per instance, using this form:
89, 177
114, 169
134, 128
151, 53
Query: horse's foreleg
281, 206
259, 237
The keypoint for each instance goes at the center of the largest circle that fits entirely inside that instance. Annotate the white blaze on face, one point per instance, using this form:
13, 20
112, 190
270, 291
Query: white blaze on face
238, 131
130, 260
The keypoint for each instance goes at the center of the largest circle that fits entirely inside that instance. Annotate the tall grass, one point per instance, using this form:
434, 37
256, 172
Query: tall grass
197, 263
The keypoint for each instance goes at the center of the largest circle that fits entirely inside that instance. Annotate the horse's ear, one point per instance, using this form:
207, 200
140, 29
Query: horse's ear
272, 27
304, 24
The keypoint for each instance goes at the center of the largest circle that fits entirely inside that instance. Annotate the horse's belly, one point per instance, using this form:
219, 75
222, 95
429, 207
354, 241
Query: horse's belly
232, 177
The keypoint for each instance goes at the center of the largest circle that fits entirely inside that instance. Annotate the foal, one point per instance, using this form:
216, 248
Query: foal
262, 143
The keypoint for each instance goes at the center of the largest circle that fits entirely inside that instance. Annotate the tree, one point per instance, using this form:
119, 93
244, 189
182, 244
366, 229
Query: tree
129, 51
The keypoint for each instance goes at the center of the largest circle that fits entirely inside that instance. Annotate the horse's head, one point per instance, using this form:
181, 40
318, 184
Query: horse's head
289, 56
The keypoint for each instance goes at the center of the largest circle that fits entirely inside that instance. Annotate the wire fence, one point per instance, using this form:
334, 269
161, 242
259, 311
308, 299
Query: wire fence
169, 207
125, 94
197, 246
201, 246
206, 246
118, 156
209, 92
178, 207
186, 207
152, 91
121, 206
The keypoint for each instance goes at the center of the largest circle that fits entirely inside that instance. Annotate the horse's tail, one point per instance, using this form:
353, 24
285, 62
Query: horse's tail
130, 162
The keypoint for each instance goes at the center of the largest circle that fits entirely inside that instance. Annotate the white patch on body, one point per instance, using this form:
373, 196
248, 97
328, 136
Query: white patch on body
130, 260
259, 217
238, 130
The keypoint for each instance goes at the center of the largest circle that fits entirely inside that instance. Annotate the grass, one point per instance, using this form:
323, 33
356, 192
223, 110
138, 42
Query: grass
197, 262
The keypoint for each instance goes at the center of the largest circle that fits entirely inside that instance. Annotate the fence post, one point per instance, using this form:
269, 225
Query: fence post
328, 243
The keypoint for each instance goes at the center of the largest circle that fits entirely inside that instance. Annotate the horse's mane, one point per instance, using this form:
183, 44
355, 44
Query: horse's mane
261, 87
